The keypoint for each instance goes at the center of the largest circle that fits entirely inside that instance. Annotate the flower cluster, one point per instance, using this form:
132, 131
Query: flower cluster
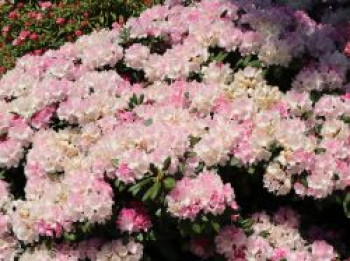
94, 249
274, 238
190, 110
204, 193
134, 219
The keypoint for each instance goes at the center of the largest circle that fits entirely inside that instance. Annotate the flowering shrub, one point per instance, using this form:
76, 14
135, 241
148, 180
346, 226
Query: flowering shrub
42, 25
218, 129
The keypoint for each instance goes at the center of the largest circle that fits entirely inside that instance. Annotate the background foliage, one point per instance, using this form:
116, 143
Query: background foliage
36, 26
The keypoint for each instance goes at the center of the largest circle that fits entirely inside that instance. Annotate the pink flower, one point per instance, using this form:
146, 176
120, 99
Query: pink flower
134, 219
41, 118
231, 242
125, 174
47, 229
45, 5
321, 251
279, 253
4, 224
347, 49
205, 192
126, 116
60, 21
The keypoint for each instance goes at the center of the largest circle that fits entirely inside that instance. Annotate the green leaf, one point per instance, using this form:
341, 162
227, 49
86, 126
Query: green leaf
135, 189
119, 185
115, 162
155, 190
204, 219
246, 223
167, 163
152, 192
169, 183
148, 122
215, 226
194, 140
255, 63
346, 119
318, 128
158, 213
153, 169
264, 233
235, 162
196, 228
152, 236
141, 99
181, 167
244, 61
69, 237
303, 181
2, 174
320, 151
251, 170
125, 34
220, 56
315, 96
102, 20
85, 228
139, 237
346, 205
191, 154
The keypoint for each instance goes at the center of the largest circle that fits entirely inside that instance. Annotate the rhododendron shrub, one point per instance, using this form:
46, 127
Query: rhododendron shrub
214, 130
